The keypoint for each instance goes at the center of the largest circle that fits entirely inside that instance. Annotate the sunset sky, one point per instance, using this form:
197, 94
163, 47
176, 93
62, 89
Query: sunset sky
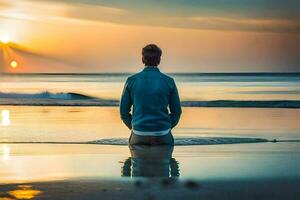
107, 36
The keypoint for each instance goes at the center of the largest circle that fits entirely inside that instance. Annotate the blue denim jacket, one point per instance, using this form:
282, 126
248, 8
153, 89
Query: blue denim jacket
150, 93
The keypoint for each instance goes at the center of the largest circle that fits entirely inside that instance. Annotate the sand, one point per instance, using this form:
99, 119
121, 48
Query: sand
153, 189
239, 171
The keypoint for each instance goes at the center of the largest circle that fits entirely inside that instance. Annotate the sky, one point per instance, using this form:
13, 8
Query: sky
87, 36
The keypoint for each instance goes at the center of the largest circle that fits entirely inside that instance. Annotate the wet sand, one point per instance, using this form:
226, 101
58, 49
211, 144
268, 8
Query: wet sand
153, 189
238, 171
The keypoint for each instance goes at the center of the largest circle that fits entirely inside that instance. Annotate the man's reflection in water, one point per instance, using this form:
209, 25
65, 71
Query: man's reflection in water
151, 161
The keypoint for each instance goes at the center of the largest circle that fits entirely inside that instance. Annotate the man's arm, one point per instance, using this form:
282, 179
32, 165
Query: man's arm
175, 107
125, 106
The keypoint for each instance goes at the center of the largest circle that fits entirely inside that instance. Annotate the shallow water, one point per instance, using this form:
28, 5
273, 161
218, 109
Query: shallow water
42, 162
82, 124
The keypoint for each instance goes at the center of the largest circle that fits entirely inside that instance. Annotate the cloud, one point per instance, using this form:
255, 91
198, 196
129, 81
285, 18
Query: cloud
234, 39
256, 16
183, 8
249, 24
27, 10
97, 13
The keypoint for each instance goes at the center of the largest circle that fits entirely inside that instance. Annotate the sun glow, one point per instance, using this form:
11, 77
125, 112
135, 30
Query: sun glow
14, 64
5, 39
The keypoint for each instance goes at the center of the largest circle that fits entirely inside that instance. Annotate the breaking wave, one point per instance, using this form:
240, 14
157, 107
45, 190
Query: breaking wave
76, 99
45, 95
53, 99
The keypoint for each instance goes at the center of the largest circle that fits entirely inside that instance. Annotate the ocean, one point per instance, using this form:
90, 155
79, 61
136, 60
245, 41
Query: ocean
66, 126
83, 107
206, 89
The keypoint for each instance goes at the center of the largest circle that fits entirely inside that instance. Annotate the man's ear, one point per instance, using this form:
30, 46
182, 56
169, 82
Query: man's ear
143, 60
158, 61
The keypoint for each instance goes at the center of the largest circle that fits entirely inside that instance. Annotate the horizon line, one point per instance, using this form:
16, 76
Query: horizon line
120, 73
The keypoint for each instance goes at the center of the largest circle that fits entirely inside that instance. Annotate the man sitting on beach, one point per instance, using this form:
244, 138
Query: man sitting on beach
150, 93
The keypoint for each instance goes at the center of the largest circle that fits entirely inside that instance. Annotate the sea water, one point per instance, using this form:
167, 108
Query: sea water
76, 140
79, 123
192, 87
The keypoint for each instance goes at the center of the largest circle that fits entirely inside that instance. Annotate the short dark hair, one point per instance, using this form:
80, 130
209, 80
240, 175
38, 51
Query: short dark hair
151, 55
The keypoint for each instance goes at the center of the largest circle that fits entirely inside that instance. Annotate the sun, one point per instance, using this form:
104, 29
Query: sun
14, 64
5, 39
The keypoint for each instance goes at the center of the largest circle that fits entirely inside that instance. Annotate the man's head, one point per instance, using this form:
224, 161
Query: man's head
151, 55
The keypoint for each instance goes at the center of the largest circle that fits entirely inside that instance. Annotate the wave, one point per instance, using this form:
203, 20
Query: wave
76, 99
53, 99
45, 95
186, 141
180, 141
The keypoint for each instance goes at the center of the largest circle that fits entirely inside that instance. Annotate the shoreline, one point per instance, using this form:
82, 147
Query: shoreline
94, 102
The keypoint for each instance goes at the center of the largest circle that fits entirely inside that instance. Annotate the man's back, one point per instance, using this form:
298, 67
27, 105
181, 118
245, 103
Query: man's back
151, 92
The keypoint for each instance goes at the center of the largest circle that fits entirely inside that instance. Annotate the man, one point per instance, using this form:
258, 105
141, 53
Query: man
150, 93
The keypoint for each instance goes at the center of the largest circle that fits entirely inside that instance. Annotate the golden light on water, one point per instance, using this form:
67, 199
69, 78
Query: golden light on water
14, 64
5, 118
5, 152
24, 192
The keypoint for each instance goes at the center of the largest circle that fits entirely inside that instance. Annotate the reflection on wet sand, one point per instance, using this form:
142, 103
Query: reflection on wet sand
22, 192
5, 152
5, 118
150, 161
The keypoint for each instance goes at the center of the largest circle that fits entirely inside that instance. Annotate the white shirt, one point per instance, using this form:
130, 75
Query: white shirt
151, 133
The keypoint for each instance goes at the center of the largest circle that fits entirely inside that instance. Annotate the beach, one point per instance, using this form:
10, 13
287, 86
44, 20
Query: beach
72, 171
84, 83
39, 162
76, 147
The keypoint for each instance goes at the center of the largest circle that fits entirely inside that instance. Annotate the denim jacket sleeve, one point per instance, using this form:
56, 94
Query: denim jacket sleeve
125, 106
174, 105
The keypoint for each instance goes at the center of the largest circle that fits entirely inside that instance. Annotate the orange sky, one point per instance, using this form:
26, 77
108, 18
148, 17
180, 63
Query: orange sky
55, 37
